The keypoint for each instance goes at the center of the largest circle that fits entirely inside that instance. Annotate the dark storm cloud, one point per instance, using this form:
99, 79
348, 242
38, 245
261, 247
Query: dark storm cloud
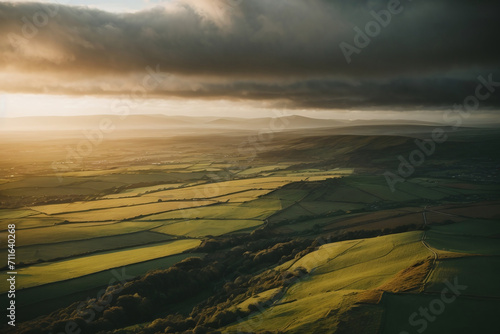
430, 54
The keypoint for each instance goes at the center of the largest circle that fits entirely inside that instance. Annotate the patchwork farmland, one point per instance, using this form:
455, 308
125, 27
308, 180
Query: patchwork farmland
260, 244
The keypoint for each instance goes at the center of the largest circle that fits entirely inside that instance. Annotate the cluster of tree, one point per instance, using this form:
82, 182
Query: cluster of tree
227, 274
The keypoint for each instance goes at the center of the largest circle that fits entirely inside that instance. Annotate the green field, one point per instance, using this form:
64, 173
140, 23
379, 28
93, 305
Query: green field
407, 191
91, 205
129, 212
349, 194
35, 221
319, 208
47, 252
288, 195
463, 244
134, 192
67, 269
203, 227
478, 273
262, 297
12, 214
480, 315
243, 196
216, 189
259, 170
69, 232
471, 227
337, 271
257, 209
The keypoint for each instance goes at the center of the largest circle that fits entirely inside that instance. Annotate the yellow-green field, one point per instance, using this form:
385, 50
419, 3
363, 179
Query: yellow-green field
91, 205
133, 192
352, 277
243, 196
257, 209
129, 212
203, 227
48, 252
11, 214
67, 269
262, 297
337, 271
60, 233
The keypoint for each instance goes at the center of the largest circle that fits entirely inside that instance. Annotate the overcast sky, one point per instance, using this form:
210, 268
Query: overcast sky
248, 57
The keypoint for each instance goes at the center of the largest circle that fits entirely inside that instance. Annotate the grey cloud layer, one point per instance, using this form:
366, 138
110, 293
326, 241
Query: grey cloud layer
429, 55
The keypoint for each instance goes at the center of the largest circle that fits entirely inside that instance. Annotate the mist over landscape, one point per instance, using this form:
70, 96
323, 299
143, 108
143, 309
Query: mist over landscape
249, 166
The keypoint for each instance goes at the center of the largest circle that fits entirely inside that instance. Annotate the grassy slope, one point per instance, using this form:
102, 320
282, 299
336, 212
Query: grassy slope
342, 273
475, 309
337, 272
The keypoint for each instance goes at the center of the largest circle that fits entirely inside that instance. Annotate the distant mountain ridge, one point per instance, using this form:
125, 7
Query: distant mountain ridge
158, 122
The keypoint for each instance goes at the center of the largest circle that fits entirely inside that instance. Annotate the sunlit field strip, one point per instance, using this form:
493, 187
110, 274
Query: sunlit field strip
83, 231
133, 196
130, 211
243, 196
60, 250
202, 227
248, 210
67, 269
65, 289
20, 213
132, 192
91, 205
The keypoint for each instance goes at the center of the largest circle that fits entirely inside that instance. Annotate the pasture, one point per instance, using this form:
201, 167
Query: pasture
82, 231
337, 273
478, 273
45, 273
399, 308
129, 212
48, 252
205, 227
